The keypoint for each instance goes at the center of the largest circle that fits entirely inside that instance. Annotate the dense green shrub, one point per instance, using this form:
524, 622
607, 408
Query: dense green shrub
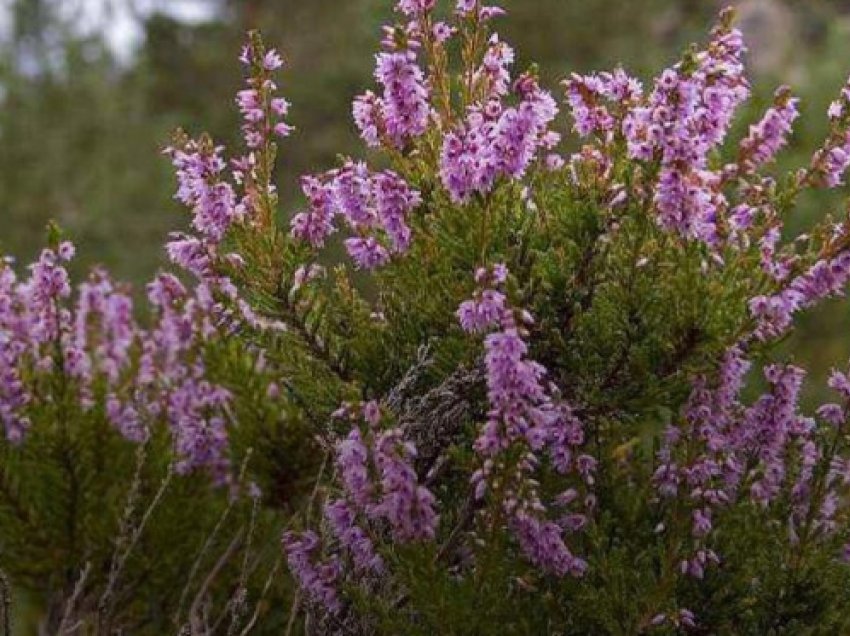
520, 404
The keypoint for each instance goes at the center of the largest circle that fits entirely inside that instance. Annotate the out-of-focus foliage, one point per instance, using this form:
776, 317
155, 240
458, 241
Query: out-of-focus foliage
71, 111
71, 115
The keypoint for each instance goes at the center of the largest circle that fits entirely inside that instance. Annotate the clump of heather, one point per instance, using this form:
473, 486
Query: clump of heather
120, 427
621, 295
540, 381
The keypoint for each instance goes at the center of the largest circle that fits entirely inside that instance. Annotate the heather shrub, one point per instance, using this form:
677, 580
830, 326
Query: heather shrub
481, 383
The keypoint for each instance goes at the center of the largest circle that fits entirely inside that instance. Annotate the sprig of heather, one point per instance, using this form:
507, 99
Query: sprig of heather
318, 579
262, 110
33, 324
223, 195
140, 376
827, 277
172, 378
595, 100
524, 420
493, 76
767, 137
766, 453
496, 141
374, 206
200, 170
403, 110
687, 115
264, 113
831, 160
376, 468
405, 104
379, 488
490, 140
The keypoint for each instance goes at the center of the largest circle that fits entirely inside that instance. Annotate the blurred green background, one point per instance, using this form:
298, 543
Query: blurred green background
90, 90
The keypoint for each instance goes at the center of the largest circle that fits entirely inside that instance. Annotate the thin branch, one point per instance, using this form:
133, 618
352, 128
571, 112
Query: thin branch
126, 525
293, 612
65, 626
119, 564
205, 548
313, 343
404, 388
208, 581
239, 599
466, 516
266, 587
5, 604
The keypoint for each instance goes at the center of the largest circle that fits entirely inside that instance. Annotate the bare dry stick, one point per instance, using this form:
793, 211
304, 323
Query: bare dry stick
227, 611
266, 587
205, 548
296, 601
118, 566
315, 493
240, 596
435, 419
5, 604
293, 612
208, 581
402, 391
125, 528
65, 626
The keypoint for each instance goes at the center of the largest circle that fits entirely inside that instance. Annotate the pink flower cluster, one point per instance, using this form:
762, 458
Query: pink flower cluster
144, 376
172, 377
766, 453
770, 134
826, 278
261, 109
831, 161
497, 141
209, 190
404, 107
402, 112
315, 577
379, 486
524, 418
32, 323
687, 115
587, 96
141, 376
202, 189
375, 206
394, 494
494, 139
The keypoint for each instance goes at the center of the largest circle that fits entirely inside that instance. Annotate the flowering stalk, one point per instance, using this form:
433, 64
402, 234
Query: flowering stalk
375, 206
523, 421
379, 485
263, 113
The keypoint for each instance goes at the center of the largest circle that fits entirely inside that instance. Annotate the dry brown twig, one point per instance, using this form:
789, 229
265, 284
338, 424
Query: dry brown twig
205, 548
433, 420
119, 560
65, 626
5, 604
266, 587
195, 620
